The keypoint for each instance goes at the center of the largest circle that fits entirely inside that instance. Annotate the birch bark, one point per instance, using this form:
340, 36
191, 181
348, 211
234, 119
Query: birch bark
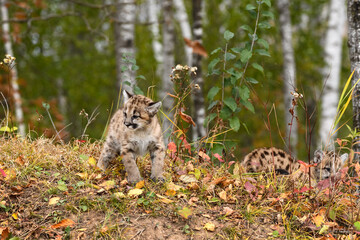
289, 70
199, 105
153, 11
168, 63
124, 43
13, 72
182, 19
353, 14
331, 72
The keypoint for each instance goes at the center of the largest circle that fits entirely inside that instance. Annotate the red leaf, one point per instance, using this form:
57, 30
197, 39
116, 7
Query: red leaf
63, 223
303, 189
172, 147
2, 173
218, 157
249, 187
187, 118
186, 144
196, 47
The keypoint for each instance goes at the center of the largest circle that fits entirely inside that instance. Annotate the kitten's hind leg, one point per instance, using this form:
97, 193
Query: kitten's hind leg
157, 154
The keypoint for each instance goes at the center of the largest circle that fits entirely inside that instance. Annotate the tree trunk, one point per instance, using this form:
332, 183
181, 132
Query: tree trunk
199, 103
182, 19
331, 72
168, 63
124, 43
13, 72
153, 11
354, 53
289, 71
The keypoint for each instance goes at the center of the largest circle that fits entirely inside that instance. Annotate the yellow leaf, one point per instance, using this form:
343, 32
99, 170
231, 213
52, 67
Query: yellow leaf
164, 199
108, 184
135, 192
173, 187
15, 216
185, 212
10, 174
223, 195
188, 178
318, 220
92, 161
210, 227
119, 195
54, 200
83, 175
140, 184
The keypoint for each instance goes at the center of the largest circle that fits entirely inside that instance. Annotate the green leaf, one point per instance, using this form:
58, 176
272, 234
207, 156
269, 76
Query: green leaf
215, 51
252, 80
268, 14
229, 56
248, 105
262, 52
245, 55
138, 91
46, 105
62, 186
134, 67
84, 157
267, 2
211, 117
275, 234
264, 25
258, 67
357, 226
244, 92
212, 64
225, 113
263, 42
234, 123
141, 77
247, 28
212, 93
231, 103
332, 214
228, 35
250, 7
212, 104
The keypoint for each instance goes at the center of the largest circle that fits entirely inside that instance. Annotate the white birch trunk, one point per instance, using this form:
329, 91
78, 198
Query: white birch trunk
331, 72
124, 43
168, 63
289, 70
199, 130
182, 18
153, 12
13, 73
353, 14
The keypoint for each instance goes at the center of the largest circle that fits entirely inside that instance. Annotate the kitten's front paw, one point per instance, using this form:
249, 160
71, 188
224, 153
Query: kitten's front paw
101, 165
160, 179
134, 180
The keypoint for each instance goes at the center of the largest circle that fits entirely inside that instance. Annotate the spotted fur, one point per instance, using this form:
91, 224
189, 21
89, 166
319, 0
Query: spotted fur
133, 131
264, 159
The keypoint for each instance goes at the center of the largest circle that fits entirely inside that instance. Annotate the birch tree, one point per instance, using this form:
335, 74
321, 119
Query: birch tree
124, 43
289, 70
13, 72
353, 13
168, 62
153, 12
331, 72
199, 105
182, 18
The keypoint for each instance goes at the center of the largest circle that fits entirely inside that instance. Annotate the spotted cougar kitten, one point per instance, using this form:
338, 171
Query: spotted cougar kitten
263, 160
133, 131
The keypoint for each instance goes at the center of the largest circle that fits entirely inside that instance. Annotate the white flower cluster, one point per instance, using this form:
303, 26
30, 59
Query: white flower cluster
184, 68
8, 60
296, 94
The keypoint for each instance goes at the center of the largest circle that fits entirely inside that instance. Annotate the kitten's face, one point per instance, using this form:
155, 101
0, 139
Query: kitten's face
139, 111
328, 163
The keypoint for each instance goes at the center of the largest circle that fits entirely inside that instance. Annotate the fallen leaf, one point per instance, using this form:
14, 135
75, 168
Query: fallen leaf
140, 184
218, 180
164, 199
20, 160
173, 186
204, 156
2, 173
318, 220
193, 200
227, 211
223, 195
63, 223
119, 195
185, 212
135, 192
4, 233
110, 184
83, 175
92, 161
54, 200
16, 189
15, 216
210, 227
188, 178
193, 186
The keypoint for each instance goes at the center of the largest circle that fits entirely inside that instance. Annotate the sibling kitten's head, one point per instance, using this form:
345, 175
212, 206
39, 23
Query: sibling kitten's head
138, 110
328, 163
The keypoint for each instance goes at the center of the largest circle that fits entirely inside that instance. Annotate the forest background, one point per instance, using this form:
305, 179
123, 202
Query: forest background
70, 61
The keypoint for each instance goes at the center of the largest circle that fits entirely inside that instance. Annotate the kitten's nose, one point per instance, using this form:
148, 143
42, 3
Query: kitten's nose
127, 124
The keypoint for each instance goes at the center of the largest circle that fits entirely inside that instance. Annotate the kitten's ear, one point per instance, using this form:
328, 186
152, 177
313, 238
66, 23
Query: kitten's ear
318, 156
127, 95
153, 108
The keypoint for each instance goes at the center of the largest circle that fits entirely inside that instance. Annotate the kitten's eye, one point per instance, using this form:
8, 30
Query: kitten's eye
327, 169
125, 115
135, 117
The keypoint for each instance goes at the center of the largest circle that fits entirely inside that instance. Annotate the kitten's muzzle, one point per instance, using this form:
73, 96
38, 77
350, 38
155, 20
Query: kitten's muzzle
131, 125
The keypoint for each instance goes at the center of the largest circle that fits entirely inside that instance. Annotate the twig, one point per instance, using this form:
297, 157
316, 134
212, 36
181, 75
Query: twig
90, 120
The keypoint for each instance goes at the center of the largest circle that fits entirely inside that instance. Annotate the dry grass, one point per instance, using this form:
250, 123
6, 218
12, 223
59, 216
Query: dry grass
53, 191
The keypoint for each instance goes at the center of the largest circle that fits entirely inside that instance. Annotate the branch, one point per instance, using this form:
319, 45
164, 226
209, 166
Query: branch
16, 20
